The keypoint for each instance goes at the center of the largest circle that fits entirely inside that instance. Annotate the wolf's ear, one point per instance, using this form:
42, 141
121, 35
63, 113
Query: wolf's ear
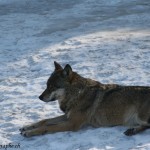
57, 66
67, 70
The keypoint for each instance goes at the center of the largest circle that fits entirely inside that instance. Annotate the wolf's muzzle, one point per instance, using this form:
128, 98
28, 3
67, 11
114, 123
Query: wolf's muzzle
41, 97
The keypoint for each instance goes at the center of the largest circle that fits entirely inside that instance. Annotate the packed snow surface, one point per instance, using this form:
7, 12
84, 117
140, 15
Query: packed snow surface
106, 40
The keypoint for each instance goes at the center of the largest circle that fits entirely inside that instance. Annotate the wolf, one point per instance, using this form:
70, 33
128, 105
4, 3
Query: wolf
88, 102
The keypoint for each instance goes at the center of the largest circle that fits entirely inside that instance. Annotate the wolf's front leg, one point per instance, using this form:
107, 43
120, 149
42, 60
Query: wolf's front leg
69, 125
45, 122
66, 126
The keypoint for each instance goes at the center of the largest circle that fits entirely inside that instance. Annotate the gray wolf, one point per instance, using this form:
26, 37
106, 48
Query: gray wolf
89, 102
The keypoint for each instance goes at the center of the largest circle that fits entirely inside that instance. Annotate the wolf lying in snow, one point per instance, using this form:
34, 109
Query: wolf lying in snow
85, 101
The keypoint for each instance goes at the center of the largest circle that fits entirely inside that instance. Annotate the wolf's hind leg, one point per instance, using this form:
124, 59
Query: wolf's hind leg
45, 122
133, 131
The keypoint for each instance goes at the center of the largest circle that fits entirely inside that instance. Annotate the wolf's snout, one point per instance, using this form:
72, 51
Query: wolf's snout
41, 97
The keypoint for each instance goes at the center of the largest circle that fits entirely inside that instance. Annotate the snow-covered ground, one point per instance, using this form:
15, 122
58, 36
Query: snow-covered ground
107, 40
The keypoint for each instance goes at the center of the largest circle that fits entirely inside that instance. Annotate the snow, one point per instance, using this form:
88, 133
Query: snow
104, 40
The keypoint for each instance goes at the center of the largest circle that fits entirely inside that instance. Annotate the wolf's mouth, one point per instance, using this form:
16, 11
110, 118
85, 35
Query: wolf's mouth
53, 99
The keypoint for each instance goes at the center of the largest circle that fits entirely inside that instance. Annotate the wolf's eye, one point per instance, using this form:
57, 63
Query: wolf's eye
59, 85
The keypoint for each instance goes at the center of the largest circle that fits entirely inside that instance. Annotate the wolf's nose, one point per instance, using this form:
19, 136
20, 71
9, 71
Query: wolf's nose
41, 97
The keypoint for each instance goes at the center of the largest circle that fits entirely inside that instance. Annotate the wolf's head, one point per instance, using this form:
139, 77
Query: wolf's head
57, 83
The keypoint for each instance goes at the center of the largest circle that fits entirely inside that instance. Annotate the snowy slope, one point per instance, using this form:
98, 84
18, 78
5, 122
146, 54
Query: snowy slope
105, 40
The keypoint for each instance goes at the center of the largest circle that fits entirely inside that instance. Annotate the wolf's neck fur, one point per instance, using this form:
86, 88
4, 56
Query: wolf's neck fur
80, 87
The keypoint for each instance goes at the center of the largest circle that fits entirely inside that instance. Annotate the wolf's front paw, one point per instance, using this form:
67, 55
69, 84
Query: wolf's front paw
25, 134
34, 132
22, 129
27, 128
